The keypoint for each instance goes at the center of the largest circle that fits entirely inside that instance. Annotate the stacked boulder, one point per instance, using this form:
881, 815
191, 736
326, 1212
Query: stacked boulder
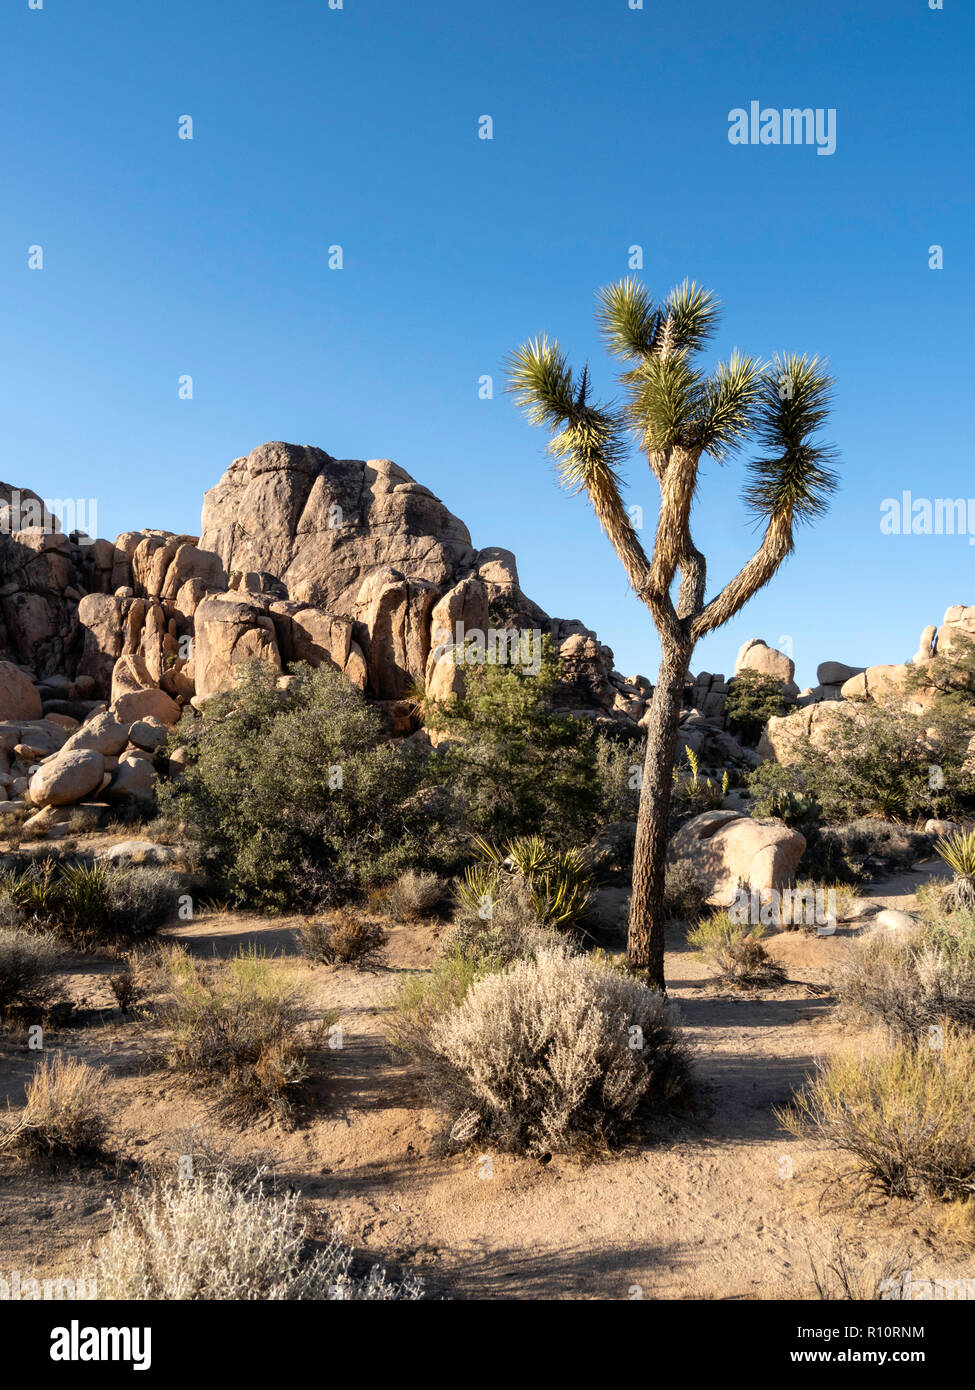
56, 767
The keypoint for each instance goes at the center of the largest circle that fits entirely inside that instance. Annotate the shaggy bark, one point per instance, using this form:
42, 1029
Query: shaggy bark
645, 941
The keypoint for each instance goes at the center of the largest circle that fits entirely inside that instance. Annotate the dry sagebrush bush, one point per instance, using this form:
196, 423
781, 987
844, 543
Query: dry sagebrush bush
910, 984
735, 950
415, 895
214, 1240
27, 962
904, 1115
237, 1028
508, 930
685, 897
343, 937
64, 1114
554, 1053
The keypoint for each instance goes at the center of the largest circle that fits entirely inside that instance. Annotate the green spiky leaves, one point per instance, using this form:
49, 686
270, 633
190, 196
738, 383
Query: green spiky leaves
794, 480
591, 443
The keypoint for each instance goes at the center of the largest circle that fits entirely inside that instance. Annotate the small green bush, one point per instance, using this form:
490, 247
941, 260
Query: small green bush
752, 700
904, 1115
298, 798
735, 950
235, 1028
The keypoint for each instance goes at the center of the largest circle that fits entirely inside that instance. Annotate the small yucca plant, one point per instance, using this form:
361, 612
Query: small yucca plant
958, 852
558, 882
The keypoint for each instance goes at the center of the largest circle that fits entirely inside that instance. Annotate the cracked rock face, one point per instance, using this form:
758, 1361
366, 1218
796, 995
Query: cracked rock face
324, 526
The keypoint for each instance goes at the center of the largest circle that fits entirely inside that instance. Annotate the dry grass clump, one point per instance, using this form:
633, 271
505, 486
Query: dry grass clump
837, 1275
735, 950
343, 937
27, 962
553, 1053
214, 1240
64, 1113
415, 895
237, 1028
904, 1115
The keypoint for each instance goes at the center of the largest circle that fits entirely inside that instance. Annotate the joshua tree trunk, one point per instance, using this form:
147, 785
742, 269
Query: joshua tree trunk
645, 946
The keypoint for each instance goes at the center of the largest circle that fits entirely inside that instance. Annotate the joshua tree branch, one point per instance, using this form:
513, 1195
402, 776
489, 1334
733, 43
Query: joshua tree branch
776, 545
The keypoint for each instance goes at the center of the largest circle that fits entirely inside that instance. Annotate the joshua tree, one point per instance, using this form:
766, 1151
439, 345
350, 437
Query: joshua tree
678, 413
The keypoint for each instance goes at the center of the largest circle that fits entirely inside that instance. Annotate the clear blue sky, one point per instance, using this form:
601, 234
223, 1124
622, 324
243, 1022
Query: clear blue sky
359, 127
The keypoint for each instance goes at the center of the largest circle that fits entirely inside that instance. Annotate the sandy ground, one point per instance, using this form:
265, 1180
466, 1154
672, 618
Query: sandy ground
723, 1206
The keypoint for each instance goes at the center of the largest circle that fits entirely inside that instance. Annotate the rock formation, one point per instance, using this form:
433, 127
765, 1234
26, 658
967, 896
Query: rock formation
301, 557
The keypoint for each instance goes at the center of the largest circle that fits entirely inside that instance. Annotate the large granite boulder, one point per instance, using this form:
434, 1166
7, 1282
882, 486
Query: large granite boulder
727, 849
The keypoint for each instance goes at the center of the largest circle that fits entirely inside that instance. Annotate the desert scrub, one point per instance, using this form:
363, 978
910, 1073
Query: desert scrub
415, 895
296, 797
237, 1029
685, 897
904, 1115
212, 1239
423, 999
554, 1053
27, 962
502, 929
89, 905
735, 950
557, 881
958, 852
343, 936
64, 1114
911, 983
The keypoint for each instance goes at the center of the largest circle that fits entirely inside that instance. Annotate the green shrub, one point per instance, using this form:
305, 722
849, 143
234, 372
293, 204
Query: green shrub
235, 1028
752, 700
878, 763
904, 1115
297, 797
735, 950
210, 1239
619, 768
554, 1053
517, 767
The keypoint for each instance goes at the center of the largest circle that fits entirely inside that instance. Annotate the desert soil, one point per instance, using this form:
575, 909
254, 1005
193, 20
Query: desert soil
725, 1206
